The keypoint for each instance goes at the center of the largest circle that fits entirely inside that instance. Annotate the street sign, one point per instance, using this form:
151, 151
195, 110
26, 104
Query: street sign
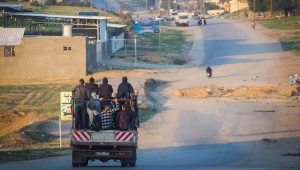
65, 105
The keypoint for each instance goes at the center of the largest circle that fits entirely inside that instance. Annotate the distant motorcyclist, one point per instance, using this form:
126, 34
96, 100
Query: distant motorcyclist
204, 21
208, 72
199, 21
253, 25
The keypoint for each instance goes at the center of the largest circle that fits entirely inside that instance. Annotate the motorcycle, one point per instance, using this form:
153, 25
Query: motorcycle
208, 72
253, 25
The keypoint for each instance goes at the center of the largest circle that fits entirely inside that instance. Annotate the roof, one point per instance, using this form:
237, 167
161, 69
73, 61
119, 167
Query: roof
58, 16
111, 25
11, 36
16, 6
89, 13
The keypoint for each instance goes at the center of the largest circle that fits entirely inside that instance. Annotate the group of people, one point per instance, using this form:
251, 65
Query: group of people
98, 108
202, 20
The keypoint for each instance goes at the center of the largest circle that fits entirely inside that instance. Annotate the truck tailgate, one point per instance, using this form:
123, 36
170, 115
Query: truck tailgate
104, 136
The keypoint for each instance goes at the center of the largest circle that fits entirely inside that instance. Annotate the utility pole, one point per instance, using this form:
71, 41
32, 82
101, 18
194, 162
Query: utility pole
159, 4
168, 7
271, 8
254, 10
238, 8
146, 6
174, 5
203, 7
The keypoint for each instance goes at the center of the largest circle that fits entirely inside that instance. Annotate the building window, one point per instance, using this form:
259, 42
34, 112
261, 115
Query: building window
67, 48
9, 51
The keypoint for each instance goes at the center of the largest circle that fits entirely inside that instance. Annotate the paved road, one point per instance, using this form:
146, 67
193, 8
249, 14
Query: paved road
222, 42
206, 150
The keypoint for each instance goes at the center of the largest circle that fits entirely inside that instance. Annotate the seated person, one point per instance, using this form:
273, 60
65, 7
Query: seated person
112, 103
107, 115
93, 107
122, 120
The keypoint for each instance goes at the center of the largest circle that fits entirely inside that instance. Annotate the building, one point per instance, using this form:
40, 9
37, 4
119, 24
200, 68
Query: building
42, 2
36, 57
236, 5
83, 43
213, 1
42, 56
12, 8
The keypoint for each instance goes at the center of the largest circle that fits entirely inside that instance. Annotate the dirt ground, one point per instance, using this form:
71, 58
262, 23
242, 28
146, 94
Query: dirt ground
238, 104
253, 92
223, 104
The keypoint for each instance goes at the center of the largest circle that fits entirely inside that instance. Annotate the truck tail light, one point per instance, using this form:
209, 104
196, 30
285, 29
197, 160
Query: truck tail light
124, 154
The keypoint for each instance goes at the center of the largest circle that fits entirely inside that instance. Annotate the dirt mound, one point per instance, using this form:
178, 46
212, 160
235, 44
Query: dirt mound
253, 92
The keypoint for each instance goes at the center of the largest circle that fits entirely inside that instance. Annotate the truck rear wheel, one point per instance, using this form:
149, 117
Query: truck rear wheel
123, 164
75, 164
132, 164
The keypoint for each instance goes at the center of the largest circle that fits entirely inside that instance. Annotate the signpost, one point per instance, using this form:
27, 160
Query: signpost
65, 110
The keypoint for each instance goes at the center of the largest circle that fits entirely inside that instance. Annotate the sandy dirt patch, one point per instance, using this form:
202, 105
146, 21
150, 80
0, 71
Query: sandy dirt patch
253, 92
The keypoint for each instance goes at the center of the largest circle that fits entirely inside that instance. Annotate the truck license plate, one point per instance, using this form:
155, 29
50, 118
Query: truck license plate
102, 153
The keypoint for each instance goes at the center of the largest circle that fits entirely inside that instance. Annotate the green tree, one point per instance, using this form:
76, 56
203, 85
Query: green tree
260, 5
210, 6
287, 6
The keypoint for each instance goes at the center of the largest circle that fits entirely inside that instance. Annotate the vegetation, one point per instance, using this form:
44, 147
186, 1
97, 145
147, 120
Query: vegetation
287, 6
20, 105
171, 41
150, 107
289, 23
291, 44
62, 9
211, 6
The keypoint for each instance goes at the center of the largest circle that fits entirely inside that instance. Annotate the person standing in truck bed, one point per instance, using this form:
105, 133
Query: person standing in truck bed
107, 116
125, 89
81, 94
93, 88
105, 91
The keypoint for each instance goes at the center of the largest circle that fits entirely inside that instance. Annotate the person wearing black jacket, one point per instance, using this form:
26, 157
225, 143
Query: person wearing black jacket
125, 89
105, 91
81, 94
93, 88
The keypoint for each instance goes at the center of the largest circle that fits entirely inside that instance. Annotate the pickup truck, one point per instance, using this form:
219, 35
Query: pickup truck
103, 145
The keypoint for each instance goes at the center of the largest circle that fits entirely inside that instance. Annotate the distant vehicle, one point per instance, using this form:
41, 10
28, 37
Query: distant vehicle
171, 18
182, 19
147, 27
160, 18
155, 26
174, 13
150, 19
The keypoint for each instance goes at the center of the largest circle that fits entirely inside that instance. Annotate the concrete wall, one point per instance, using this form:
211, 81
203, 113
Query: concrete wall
44, 57
237, 5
